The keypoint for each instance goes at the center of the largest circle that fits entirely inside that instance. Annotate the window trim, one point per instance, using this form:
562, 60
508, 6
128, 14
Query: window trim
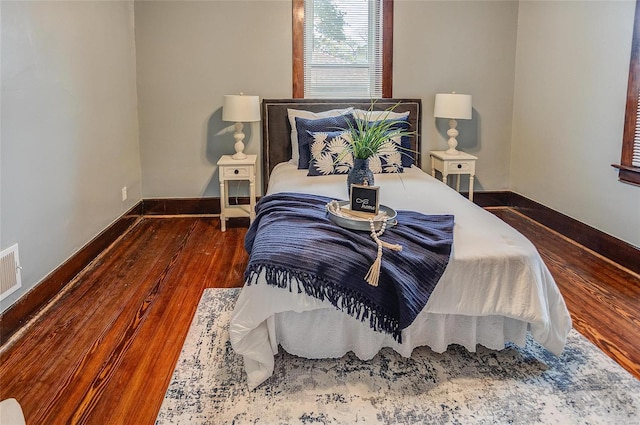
626, 171
298, 48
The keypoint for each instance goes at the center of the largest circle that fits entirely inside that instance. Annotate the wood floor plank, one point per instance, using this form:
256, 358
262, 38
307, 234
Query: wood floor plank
52, 332
87, 396
84, 326
105, 352
165, 330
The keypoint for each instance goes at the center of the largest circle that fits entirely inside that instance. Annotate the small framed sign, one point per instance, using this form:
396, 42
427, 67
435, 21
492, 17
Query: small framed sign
364, 199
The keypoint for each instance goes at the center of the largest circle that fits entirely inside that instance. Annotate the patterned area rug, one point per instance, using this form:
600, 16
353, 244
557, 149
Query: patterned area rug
511, 386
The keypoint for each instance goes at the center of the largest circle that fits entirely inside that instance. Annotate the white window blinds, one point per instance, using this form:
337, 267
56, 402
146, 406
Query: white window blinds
635, 156
343, 48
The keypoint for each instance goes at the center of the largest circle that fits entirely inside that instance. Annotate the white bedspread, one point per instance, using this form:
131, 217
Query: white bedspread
494, 289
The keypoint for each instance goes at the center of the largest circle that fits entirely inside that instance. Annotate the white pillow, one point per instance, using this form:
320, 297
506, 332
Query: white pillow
361, 114
293, 113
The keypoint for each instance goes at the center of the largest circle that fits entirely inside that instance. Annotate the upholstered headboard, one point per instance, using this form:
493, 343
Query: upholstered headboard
276, 130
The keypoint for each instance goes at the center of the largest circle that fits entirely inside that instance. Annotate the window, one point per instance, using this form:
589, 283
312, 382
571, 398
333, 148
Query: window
342, 48
629, 168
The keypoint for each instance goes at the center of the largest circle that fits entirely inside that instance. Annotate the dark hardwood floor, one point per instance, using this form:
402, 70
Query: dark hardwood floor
105, 350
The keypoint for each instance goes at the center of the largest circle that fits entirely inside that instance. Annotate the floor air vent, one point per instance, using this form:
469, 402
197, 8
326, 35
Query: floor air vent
9, 271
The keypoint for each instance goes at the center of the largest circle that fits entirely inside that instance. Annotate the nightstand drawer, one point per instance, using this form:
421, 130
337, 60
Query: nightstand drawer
240, 172
464, 167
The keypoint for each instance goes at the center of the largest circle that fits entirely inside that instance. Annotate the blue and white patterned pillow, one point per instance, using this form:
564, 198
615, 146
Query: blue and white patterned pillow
306, 128
329, 153
388, 159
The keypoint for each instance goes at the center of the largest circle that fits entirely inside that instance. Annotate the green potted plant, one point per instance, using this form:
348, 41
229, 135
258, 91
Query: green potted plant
368, 137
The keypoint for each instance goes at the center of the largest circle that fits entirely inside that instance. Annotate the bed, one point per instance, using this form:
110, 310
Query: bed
495, 288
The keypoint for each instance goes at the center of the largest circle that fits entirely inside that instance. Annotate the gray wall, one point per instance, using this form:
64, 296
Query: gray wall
190, 54
69, 127
570, 91
468, 47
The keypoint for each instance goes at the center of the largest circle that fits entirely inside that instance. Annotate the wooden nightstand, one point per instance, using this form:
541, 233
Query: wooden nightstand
232, 170
446, 164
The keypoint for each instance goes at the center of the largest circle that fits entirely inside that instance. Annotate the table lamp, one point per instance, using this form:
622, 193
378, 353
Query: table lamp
240, 109
453, 106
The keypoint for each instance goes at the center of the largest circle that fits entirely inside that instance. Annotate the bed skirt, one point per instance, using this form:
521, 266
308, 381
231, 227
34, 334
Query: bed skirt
318, 330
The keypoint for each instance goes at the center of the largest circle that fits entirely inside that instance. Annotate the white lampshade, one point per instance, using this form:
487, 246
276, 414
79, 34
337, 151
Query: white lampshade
240, 108
453, 105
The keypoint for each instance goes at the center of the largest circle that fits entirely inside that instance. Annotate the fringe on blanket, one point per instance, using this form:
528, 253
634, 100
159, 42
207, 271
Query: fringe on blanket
313, 286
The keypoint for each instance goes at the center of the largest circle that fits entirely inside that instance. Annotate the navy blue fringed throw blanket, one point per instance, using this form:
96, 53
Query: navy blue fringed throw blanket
296, 245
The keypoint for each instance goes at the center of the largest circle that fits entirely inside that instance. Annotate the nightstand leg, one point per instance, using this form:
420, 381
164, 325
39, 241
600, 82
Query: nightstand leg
458, 183
252, 200
223, 204
444, 178
471, 178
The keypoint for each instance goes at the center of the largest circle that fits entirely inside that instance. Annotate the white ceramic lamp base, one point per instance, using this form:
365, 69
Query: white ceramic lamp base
239, 145
452, 142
